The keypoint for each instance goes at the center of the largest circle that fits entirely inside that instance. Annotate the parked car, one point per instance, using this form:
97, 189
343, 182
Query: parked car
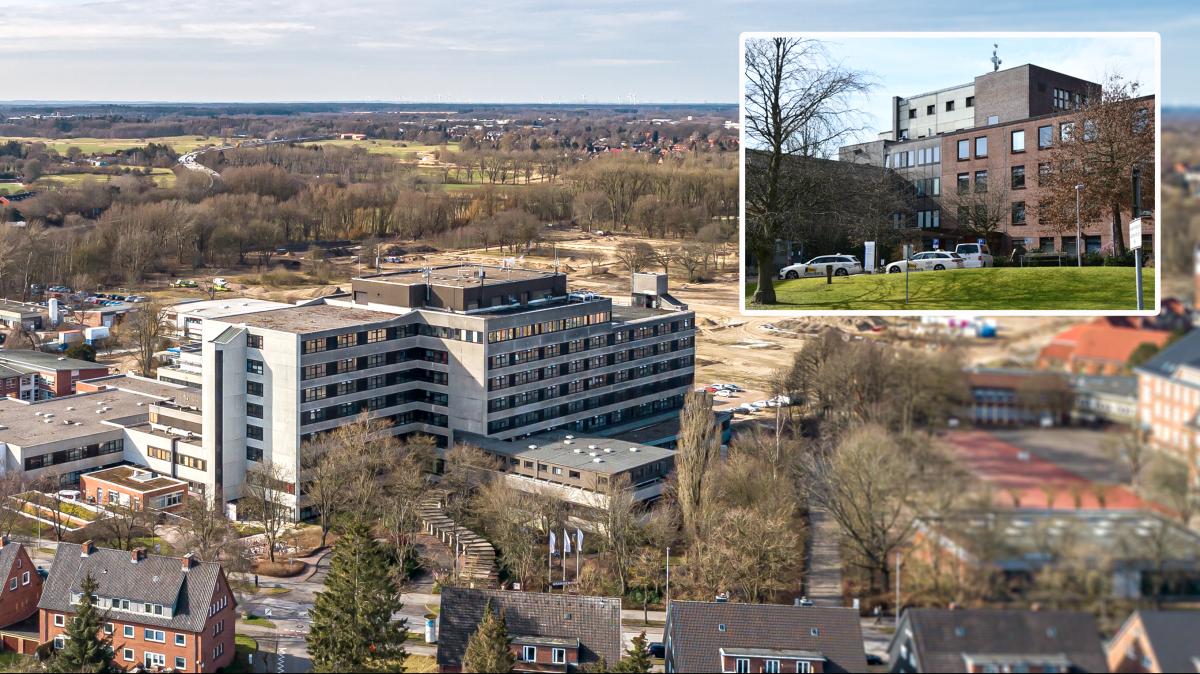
137, 298
843, 265
932, 260
183, 283
975, 255
582, 296
59, 289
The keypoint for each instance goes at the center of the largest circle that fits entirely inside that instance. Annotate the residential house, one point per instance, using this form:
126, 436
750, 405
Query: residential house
22, 586
1099, 347
1156, 641
163, 612
549, 632
720, 636
983, 640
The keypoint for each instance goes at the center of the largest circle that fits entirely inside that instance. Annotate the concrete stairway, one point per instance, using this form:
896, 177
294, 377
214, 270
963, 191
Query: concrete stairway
476, 556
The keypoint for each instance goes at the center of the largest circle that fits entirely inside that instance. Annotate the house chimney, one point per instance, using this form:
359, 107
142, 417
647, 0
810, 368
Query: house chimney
86, 549
3, 540
189, 560
137, 554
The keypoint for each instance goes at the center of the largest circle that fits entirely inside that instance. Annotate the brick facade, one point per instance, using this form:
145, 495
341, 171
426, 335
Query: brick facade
22, 585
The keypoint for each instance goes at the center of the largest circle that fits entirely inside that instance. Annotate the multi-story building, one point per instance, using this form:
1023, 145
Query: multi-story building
1156, 641
162, 612
982, 148
53, 375
1169, 400
498, 352
134, 488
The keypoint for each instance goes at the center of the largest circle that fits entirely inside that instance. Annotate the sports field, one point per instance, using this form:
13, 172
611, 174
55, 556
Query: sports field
990, 289
163, 177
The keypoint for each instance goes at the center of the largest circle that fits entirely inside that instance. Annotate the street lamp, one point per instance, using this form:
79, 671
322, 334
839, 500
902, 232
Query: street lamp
1078, 229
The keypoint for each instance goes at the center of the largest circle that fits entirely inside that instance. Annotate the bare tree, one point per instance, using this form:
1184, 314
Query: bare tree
146, 329
699, 450
620, 532
263, 502
206, 531
635, 255
1131, 447
120, 525
797, 103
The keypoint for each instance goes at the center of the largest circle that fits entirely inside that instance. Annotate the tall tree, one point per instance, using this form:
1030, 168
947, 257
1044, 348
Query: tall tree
146, 329
488, 649
263, 501
699, 450
87, 648
352, 626
798, 105
1109, 134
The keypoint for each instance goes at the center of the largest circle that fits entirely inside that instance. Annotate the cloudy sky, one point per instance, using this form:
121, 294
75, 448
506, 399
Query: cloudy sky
515, 51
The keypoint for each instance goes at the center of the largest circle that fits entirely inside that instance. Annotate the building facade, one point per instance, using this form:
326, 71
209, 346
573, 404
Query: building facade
163, 612
1169, 400
21, 583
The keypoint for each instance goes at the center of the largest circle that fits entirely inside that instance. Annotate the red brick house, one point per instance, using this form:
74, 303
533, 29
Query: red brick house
1156, 641
549, 632
134, 487
163, 612
1100, 347
22, 586
56, 375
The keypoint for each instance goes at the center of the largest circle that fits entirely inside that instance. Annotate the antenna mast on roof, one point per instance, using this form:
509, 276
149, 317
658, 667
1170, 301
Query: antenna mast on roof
995, 59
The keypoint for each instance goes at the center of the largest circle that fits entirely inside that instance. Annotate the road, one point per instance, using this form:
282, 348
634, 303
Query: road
189, 160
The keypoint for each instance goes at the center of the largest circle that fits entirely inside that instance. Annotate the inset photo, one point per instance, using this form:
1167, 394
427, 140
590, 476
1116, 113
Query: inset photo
937, 173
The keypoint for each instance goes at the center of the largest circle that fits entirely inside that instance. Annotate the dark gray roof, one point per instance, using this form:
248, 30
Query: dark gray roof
8, 555
155, 579
47, 361
696, 638
942, 638
1173, 638
1184, 351
594, 621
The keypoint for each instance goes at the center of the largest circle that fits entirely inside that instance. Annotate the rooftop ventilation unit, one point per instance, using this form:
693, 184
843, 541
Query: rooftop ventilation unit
633, 449
591, 446
597, 460
577, 450
591, 454
533, 446
570, 437
608, 450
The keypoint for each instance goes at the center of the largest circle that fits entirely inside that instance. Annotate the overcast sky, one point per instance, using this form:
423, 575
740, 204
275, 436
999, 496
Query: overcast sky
515, 51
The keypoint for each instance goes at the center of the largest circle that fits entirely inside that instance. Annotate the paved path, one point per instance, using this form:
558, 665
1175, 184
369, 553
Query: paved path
824, 577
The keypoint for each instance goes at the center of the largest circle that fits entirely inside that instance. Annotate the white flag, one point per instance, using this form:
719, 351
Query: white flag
579, 539
566, 542
553, 543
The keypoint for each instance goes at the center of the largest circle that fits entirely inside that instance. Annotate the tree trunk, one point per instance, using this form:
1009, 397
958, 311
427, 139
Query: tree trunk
1118, 231
765, 292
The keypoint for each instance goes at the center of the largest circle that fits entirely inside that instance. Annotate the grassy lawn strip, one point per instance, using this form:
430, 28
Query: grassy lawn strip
258, 621
420, 663
995, 288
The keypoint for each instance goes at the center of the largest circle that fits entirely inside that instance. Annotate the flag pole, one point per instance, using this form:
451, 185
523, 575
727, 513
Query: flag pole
566, 548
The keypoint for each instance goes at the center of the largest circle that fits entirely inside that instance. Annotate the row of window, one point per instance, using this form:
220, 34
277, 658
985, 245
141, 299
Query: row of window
579, 385
315, 393
577, 406
152, 661
931, 109
351, 409
74, 454
321, 344
594, 363
547, 327
344, 365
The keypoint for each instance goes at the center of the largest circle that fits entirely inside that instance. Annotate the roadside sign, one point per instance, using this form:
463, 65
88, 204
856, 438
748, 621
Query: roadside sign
869, 256
980, 241
936, 242
1135, 233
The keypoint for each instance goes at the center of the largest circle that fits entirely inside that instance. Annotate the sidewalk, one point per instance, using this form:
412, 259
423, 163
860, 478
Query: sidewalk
824, 577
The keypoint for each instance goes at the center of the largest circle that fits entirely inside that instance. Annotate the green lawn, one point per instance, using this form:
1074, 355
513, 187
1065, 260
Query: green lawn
395, 148
997, 288
258, 621
11, 188
162, 177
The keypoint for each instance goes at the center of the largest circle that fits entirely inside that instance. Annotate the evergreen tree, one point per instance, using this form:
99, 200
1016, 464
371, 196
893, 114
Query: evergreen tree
352, 627
488, 649
637, 658
86, 650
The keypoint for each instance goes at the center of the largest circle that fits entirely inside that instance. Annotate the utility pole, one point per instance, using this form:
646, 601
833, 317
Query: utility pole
897, 589
1078, 229
668, 602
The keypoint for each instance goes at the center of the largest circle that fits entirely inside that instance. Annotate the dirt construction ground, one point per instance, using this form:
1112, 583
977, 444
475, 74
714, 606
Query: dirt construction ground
731, 348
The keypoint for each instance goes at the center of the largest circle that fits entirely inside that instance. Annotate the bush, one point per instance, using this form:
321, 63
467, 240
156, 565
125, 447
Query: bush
81, 351
280, 278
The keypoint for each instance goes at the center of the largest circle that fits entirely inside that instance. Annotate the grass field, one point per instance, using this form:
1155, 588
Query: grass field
991, 289
395, 148
109, 145
11, 188
162, 176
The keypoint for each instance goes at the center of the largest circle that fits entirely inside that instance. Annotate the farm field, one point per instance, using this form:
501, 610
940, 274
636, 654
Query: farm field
109, 145
993, 288
396, 148
162, 176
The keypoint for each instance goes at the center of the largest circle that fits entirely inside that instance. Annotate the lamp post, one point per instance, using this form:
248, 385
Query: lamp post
1078, 229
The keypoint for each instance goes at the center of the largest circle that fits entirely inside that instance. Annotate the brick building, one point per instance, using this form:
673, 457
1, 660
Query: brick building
986, 144
22, 586
1156, 641
550, 632
717, 636
163, 612
1169, 399
56, 375
1099, 347
135, 488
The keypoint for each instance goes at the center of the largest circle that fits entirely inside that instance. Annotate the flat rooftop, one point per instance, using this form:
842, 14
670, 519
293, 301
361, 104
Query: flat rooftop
624, 313
138, 479
458, 276
26, 424
232, 306
183, 396
308, 318
43, 360
574, 450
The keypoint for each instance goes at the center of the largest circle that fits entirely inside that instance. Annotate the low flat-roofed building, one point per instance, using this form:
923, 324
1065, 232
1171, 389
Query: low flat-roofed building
133, 487
23, 314
57, 374
459, 288
580, 468
187, 318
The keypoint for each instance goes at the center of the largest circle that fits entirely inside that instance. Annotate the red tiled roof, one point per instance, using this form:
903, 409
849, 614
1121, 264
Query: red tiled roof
1103, 339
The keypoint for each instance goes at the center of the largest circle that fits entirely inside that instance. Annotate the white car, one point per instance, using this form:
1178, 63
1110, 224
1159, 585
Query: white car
843, 265
932, 260
975, 255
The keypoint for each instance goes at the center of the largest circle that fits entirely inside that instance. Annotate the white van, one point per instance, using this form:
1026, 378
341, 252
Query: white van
975, 255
